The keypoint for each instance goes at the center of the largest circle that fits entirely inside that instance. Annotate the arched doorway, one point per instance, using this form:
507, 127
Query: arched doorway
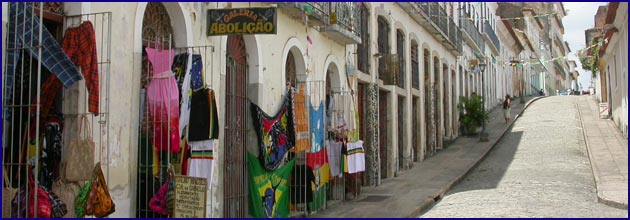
235, 167
157, 33
290, 70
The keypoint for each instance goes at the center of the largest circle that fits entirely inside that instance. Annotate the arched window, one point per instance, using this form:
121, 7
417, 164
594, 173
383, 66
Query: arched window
383, 41
156, 33
290, 70
400, 48
415, 66
363, 49
426, 63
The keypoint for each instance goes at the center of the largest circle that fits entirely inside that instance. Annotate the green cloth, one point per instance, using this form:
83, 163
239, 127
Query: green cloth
319, 198
269, 191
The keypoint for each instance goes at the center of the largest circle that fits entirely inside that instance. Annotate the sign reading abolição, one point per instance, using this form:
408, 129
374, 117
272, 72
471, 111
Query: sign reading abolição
242, 21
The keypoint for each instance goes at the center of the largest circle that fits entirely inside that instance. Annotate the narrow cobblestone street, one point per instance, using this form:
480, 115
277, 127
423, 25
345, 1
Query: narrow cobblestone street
539, 169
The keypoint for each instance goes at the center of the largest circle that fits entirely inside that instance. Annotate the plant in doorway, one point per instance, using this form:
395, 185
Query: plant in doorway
471, 114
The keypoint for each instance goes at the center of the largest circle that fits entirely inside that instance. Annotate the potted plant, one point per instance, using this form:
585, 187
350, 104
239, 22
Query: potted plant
471, 114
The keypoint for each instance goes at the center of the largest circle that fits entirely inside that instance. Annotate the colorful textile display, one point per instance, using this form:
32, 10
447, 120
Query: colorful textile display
196, 73
269, 191
302, 140
181, 69
163, 97
23, 32
201, 162
341, 113
355, 157
205, 121
301, 181
318, 162
334, 157
79, 44
276, 134
317, 127
354, 136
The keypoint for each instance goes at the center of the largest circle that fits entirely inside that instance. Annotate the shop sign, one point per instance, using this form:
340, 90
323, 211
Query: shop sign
190, 197
242, 21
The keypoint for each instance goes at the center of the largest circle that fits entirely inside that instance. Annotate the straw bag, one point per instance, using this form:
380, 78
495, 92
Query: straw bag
79, 157
66, 191
7, 195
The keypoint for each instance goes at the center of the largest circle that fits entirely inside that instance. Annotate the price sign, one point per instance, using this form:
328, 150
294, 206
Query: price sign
190, 197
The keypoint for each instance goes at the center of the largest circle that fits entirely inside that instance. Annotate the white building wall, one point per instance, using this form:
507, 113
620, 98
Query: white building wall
617, 66
189, 21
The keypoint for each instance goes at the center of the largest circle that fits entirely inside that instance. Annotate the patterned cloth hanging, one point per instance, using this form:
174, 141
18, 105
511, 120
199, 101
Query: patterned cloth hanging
269, 191
317, 127
302, 140
276, 134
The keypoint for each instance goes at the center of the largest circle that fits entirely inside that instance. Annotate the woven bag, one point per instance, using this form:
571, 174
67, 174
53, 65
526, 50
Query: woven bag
79, 156
66, 191
7, 195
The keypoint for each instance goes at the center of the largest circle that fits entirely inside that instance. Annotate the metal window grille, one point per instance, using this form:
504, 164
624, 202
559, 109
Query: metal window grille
383, 42
400, 44
30, 140
363, 49
415, 66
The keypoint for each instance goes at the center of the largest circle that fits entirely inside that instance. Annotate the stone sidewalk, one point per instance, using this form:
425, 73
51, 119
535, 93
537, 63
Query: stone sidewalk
417, 189
608, 153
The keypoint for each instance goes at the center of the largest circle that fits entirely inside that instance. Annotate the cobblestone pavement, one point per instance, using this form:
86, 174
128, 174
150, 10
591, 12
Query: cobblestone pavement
539, 169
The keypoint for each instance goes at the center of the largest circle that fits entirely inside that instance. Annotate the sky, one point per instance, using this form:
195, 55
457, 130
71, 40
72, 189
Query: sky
580, 16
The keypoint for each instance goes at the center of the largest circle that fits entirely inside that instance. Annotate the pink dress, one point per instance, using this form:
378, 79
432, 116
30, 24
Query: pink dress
163, 97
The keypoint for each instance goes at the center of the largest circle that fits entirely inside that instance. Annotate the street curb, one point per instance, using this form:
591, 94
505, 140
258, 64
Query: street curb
600, 197
432, 200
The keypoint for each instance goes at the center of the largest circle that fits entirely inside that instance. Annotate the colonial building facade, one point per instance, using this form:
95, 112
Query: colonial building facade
403, 66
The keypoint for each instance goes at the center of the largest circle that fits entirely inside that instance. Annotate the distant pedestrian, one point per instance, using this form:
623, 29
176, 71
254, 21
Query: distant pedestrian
507, 103
541, 93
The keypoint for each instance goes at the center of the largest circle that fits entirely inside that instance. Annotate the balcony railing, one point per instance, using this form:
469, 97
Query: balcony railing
435, 19
455, 34
318, 15
492, 36
472, 31
348, 16
338, 20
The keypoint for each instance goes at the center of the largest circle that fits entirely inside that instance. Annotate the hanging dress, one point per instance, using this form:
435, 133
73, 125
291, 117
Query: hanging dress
163, 97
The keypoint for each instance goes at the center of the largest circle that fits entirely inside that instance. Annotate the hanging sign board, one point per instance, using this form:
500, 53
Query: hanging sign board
242, 21
190, 197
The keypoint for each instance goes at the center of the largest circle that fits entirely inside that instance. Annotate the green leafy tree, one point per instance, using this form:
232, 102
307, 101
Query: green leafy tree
471, 114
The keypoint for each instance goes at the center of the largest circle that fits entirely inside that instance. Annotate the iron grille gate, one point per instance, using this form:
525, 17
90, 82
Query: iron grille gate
39, 120
154, 162
236, 120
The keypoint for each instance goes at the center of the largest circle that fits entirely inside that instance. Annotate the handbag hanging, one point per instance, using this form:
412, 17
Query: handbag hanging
66, 191
8, 193
79, 156
100, 200
23, 204
80, 202
163, 202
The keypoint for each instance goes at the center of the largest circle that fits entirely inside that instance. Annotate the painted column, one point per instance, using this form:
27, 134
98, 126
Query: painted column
372, 161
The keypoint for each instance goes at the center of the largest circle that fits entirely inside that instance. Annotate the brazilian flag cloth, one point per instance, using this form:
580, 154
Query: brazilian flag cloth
269, 190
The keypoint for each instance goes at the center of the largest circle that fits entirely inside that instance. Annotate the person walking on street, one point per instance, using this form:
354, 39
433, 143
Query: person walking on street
506, 108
